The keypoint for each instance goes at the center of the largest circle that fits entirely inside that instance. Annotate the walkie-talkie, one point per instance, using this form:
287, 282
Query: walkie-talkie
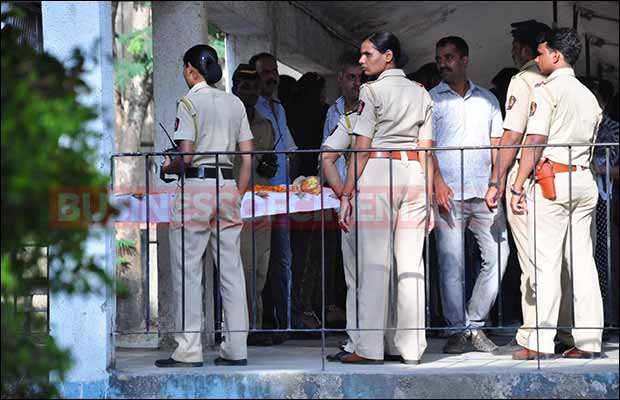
173, 149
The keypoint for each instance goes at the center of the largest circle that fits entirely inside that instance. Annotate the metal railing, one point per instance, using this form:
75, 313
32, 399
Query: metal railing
149, 156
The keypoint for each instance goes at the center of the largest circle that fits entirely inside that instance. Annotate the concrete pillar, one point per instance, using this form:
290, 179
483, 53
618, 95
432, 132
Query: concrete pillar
84, 324
177, 26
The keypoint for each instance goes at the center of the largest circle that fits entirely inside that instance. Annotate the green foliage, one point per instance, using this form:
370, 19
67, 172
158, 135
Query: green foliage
45, 146
217, 41
140, 45
124, 247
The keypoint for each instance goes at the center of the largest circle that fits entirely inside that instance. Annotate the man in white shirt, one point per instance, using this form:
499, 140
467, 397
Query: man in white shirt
465, 115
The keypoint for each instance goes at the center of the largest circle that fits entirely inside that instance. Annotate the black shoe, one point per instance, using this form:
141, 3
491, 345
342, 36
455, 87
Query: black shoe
561, 347
224, 362
279, 338
456, 344
391, 357
410, 362
509, 348
172, 363
336, 357
260, 339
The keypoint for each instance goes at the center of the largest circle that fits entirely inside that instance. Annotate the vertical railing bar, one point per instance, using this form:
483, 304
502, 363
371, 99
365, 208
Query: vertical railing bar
570, 233
254, 296
357, 280
218, 293
47, 306
289, 272
500, 313
464, 253
148, 246
427, 284
322, 267
535, 266
610, 292
182, 177
391, 239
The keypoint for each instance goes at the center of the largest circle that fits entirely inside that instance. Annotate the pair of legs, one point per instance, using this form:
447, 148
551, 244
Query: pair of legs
391, 234
489, 230
560, 232
198, 230
519, 229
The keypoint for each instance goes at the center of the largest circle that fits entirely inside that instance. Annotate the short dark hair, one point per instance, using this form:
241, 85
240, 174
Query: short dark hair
566, 41
260, 56
528, 33
458, 42
348, 59
384, 41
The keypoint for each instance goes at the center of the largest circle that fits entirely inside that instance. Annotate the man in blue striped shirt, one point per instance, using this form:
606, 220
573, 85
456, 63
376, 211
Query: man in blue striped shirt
465, 114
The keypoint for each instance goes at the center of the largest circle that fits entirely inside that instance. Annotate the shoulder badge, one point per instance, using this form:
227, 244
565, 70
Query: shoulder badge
532, 108
360, 107
511, 102
176, 124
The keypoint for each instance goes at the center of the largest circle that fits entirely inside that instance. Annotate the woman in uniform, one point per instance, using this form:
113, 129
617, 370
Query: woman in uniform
208, 120
393, 113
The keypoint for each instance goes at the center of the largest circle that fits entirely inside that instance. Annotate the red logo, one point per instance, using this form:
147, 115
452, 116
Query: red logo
360, 107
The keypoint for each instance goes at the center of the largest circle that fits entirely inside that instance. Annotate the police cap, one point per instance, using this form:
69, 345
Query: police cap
529, 31
244, 71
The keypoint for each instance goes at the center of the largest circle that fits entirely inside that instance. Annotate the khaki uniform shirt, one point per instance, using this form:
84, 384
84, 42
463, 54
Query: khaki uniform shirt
342, 137
519, 95
264, 139
214, 120
394, 111
563, 109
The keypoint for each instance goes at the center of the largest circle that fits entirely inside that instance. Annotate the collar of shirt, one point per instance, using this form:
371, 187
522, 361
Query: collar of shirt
339, 105
443, 88
567, 71
392, 72
198, 86
529, 65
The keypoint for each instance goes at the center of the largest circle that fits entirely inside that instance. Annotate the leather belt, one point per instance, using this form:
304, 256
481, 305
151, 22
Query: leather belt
558, 168
396, 155
207, 172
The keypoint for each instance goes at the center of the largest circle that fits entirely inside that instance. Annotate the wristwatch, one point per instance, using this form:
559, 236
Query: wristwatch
493, 184
515, 191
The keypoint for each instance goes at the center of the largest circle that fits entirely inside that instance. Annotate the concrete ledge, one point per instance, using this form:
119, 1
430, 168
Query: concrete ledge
295, 370
279, 384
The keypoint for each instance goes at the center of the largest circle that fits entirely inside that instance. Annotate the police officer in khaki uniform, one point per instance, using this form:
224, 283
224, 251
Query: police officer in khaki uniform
342, 138
255, 255
393, 112
562, 111
526, 36
208, 120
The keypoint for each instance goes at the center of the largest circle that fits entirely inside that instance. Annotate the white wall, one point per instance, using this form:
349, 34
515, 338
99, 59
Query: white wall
83, 324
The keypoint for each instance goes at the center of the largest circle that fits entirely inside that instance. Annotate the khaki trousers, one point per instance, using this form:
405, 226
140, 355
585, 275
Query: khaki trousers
262, 237
406, 233
518, 227
200, 233
550, 226
348, 260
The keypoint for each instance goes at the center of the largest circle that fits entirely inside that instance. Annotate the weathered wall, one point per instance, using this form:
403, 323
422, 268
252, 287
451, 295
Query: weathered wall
484, 25
83, 324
